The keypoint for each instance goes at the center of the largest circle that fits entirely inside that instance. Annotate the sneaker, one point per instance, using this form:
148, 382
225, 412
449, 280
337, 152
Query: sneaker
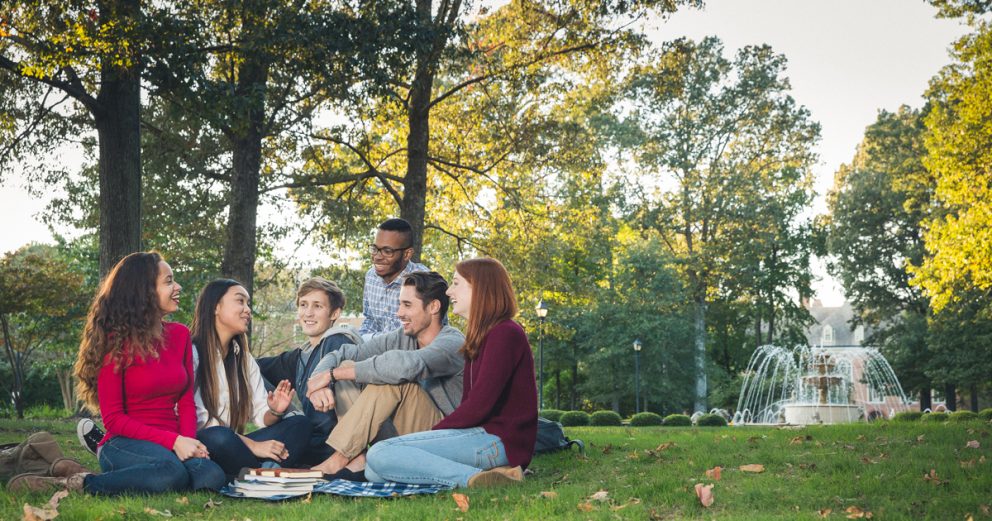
89, 434
496, 476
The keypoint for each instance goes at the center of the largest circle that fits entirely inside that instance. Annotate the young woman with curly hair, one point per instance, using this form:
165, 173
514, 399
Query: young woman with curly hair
230, 391
136, 369
489, 439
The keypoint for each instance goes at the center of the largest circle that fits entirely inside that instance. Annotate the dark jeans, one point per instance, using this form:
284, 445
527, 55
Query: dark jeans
139, 466
231, 453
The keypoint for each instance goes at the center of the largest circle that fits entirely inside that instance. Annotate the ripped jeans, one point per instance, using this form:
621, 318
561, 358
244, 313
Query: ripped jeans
442, 457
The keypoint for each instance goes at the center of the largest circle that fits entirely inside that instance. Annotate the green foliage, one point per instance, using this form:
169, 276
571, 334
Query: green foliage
985, 414
551, 414
605, 419
963, 416
907, 416
574, 419
935, 417
711, 420
646, 419
677, 420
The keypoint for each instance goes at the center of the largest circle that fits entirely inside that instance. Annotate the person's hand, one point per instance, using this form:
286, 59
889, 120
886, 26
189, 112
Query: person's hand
322, 399
318, 381
280, 398
268, 449
186, 448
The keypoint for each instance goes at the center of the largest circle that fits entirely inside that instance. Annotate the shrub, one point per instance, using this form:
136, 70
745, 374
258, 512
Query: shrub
605, 419
551, 414
711, 420
963, 416
574, 419
645, 419
677, 420
935, 417
907, 416
985, 414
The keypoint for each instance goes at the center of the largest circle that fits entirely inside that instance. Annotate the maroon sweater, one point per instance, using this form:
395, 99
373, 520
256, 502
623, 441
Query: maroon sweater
159, 393
499, 393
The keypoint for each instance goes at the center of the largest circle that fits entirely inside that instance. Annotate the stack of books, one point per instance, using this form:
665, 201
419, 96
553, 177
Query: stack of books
271, 483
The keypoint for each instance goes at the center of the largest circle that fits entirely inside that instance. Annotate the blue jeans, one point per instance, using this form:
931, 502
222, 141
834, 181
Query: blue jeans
444, 457
231, 453
140, 466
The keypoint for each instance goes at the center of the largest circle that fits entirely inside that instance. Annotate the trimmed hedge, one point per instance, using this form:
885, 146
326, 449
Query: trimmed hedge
574, 419
677, 420
711, 420
935, 417
551, 414
963, 416
605, 419
985, 414
907, 416
646, 419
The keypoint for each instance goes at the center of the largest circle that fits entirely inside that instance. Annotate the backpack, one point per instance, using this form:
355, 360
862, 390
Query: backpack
34, 455
551, 438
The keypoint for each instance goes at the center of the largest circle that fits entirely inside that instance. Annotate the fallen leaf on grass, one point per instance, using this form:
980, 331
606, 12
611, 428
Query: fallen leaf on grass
824, 512
967, 464
705, 494
549, 494
665, 446
182, 500
307, 500
973, 444
985, 509
211, 504
151, 511
854, 512
807, 466
755, 467
47, 512
601, 495
585, 506
932, 477
461, 500
920, 438
714, 473
633, 501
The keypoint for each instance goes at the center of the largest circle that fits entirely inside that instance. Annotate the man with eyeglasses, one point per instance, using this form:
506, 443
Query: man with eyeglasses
391, 253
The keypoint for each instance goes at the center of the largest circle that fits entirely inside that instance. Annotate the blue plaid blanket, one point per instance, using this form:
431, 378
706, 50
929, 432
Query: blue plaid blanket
341, 487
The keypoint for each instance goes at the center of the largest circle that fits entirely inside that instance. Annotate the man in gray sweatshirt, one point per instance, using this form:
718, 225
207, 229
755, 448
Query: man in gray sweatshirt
401, 382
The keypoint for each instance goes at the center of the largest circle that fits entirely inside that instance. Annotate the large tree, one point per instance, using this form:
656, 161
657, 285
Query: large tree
717, 143
876, 208
79, 62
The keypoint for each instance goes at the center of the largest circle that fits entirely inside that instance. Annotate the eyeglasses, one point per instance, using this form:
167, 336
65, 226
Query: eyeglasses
385, 251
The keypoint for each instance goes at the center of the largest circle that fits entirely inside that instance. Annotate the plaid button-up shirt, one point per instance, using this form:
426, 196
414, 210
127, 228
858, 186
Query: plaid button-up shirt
381, 301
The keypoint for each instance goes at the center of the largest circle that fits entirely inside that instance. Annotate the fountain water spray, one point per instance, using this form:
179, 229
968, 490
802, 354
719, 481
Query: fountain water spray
807, 385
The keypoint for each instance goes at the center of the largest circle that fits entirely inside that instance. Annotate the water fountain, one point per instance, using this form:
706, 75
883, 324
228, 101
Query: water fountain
818, 385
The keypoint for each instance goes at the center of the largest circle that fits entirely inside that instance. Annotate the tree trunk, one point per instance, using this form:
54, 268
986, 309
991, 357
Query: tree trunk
950, 397
240, 248
575, 380
117, 119
558, 389
700, 351
926, 399
15, 360
413, 206
973, 392
64, 376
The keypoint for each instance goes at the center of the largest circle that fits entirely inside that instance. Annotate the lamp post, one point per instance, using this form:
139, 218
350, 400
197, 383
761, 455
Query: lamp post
542, 311
637, 375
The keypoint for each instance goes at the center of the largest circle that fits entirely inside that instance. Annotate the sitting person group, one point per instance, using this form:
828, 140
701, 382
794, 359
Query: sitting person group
421, 403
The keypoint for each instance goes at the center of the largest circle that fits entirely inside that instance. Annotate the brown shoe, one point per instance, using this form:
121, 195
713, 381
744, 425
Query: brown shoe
496, 476
35, 483
65, 467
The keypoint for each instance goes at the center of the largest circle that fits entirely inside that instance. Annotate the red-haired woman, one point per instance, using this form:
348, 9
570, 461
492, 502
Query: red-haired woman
489, 439
136, 369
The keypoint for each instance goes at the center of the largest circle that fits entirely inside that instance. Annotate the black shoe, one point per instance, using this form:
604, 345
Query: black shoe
348, 475
89, 434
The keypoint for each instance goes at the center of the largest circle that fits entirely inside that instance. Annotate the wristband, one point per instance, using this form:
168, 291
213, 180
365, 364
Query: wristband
276, 414
333, 380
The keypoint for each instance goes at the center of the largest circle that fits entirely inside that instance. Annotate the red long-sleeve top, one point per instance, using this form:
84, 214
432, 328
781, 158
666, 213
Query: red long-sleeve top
158, 392
499, 393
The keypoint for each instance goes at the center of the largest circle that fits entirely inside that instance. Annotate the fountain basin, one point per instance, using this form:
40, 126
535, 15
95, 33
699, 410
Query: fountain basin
816, 413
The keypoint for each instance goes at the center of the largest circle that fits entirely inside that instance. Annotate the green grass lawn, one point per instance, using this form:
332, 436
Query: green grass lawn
647, 473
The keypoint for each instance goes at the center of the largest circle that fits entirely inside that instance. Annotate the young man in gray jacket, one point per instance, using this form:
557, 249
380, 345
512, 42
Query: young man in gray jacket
402, 382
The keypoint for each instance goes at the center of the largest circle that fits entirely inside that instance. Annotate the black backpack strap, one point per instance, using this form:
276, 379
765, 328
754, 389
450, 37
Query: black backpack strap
577, 443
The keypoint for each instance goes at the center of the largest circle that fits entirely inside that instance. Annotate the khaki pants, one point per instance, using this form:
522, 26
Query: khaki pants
378, 412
